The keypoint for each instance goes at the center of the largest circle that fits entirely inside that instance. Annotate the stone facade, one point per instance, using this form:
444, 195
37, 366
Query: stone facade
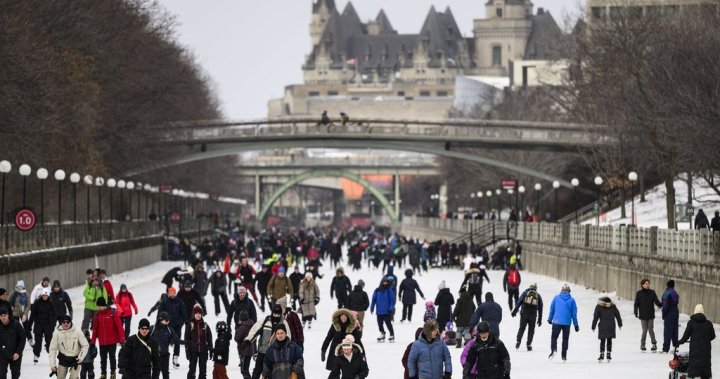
603, 9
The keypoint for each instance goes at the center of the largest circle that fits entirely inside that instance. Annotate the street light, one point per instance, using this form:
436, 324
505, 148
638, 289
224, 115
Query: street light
24, 170
556, 185
147, 187
74, 179
59, 176
488, 194
538, 188
598, 182
42, 174
521, 192
5, 167
498, 192
633, 176
139, 187
130, 186
99, 182
575, 183
88, 180
111, 183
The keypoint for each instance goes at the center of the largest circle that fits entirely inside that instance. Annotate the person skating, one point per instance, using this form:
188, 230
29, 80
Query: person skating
490, 312
406, 294
343, 323
671, 316
462, 314
261, 334
68, 348
430, 312
359, 301
175, 308
295, 278
384, 298
164, 335
473, 281
93, 291
511, 285
12, 344
218, 288
125, 303
245, 349
444, 302
246, 274
279, 286
4, 300
198, 343
350, 361
700, 332
61, 301
284, 358
240, 303
340, 287
309, 297
487, 357
221, 351
38, 289
200, 280
20, 304
604, 317
262, 280
87, 367
295, 326
190, 298
530, 305
645, 302
563, 313
42, 317
429, 356
108, 331
139, 356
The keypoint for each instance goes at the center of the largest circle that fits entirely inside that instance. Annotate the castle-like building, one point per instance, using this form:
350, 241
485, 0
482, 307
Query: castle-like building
370, 70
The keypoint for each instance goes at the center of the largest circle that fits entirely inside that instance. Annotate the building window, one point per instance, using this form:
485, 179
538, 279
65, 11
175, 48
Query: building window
671, 10
424, 93
313, 93
498, 12
401, 93
442, 93
653, 10
616, 13
599, 13
332, 93
496, 55
634, 12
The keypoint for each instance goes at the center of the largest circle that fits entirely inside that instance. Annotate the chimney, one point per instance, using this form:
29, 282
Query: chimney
541, 11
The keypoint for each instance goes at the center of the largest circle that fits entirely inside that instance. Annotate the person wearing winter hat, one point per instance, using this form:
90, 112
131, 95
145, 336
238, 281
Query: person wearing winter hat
279, 286
490, 312
108, 330
221, 350
125, 303
12, 340
486, 356
139, 356
429, 356
19, 301
309, 294
42, 316
61, 301
406, 294
245, 349
37, 290
164, 335
190, 297
340, 287
4, 296
384, 298
69, 346
444, 301
350, 361
198, 343
284, 358
605, 315
530, 305
700, 332
563, 313
430, 313
671, 316
293, 321
262, 332
358, 300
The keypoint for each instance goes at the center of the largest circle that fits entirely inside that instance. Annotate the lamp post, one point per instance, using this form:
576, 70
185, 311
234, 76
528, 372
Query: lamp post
472, 200
575, 183
42, 174
598, 182
5, 167
538, 188
147, 189
121, 184
498, 192
556, 185
139, 187
24, 170
521, 192
633, 176
88, 180
130, 186
488, 194
60, 176
479, 196
74, 179
111, 183
99, 182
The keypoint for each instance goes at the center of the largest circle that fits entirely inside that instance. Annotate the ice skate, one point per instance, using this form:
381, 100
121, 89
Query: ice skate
310, 324
36, 359
529, 347
112, 374
103, 376
552, 355
654, 348
517, 345
608, 357
601, 357
381, 338
175, 362
391, 339
643, 348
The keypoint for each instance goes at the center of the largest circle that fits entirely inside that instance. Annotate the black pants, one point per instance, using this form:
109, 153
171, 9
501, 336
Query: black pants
165, 365
40, 332
257, 371
245, 366
226, 304
407, 312
87, 371
198, 360
126, 325
342, 301
513, 296
176, 348
263, 298
527, 321
607, 341
556, 329
385, 319
478, 297
14, 368
104, 352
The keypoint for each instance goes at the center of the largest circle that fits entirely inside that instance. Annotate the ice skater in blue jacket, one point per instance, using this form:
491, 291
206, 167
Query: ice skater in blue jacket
563, 311
384, 299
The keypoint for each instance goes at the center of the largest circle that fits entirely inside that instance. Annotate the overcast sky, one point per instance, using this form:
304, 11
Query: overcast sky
252, 49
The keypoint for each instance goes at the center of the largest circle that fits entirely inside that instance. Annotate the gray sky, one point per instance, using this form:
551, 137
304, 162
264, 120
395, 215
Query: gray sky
252, 49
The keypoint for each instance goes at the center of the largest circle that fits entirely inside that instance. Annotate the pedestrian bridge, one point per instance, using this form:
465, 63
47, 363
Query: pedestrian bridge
362, 164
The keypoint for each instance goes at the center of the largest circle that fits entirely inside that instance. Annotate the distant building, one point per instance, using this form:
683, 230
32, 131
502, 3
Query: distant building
477, 95
609, 9
370, 70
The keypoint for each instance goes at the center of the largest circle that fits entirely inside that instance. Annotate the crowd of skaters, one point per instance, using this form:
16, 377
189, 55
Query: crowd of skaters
244, 264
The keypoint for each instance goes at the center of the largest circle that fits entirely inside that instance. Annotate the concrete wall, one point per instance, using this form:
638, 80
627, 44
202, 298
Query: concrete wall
68, 265
612, 271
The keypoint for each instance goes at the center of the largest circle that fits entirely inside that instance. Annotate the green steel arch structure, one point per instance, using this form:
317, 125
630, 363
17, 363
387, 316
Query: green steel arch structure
335, 173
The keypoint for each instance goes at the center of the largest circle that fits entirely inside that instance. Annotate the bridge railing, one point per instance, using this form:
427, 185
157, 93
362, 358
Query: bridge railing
700, 246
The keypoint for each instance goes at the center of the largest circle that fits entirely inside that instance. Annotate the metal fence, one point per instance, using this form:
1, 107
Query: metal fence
686, 245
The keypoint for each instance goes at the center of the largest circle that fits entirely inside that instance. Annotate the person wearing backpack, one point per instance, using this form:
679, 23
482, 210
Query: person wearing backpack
530, 305
511, 285
474, 281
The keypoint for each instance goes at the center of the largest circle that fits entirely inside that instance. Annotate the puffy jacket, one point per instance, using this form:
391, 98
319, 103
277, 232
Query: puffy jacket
407, 289
490, 312
645, 302
198, 337
164, 336
221, 351
70, 342
107, 328
93, 293
464, 310
670, 300
309, 291
355, 368
563, 310
337, 333
700, 332
606, 313
384, 299
487, 359
12, 339
237, 306
125, 303
174, 307
358, 300
281, 359
429, 359
42, 315
279, 287
340, 287
61, 302
444, 301
139, 358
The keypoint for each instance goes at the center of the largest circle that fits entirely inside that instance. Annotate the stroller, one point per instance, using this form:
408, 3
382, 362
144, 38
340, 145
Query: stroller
679, 366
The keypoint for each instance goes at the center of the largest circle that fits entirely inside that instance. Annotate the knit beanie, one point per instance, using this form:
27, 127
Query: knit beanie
144, 323
442, 285
565, 288
699, 309
197, 309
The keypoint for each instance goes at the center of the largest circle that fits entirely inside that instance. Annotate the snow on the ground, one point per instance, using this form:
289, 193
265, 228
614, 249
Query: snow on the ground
652, 212
384, 358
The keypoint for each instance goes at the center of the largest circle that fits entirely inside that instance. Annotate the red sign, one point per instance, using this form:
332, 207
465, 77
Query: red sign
508, 183
214, 196
25, 219
166, 188
175, 217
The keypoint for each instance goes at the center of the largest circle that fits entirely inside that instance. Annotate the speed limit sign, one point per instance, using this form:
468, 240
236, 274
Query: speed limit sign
25, 219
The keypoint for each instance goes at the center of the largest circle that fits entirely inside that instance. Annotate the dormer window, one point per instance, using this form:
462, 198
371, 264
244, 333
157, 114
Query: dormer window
498, 12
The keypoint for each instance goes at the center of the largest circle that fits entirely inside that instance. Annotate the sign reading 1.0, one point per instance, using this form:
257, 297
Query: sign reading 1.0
25, 219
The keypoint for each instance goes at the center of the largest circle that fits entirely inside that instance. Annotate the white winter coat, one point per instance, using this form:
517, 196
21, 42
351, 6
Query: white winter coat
70, 342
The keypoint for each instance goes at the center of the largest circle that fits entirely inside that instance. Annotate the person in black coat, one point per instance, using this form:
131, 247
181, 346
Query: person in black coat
241, 303
340, 287
606, 313
350, 361
221, 351
489, 355
462, 314
198, 343
12, 343
530, 305
164, 335
170, 276
218, 288
42, 316
644, 309
700, 332
263, 278
473, 281
715, 222
701, 220
175, 308
295, 278
444, 301
359, 301
139, 356
190, 297
343, 323
406, 294
61, 301
490, 312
